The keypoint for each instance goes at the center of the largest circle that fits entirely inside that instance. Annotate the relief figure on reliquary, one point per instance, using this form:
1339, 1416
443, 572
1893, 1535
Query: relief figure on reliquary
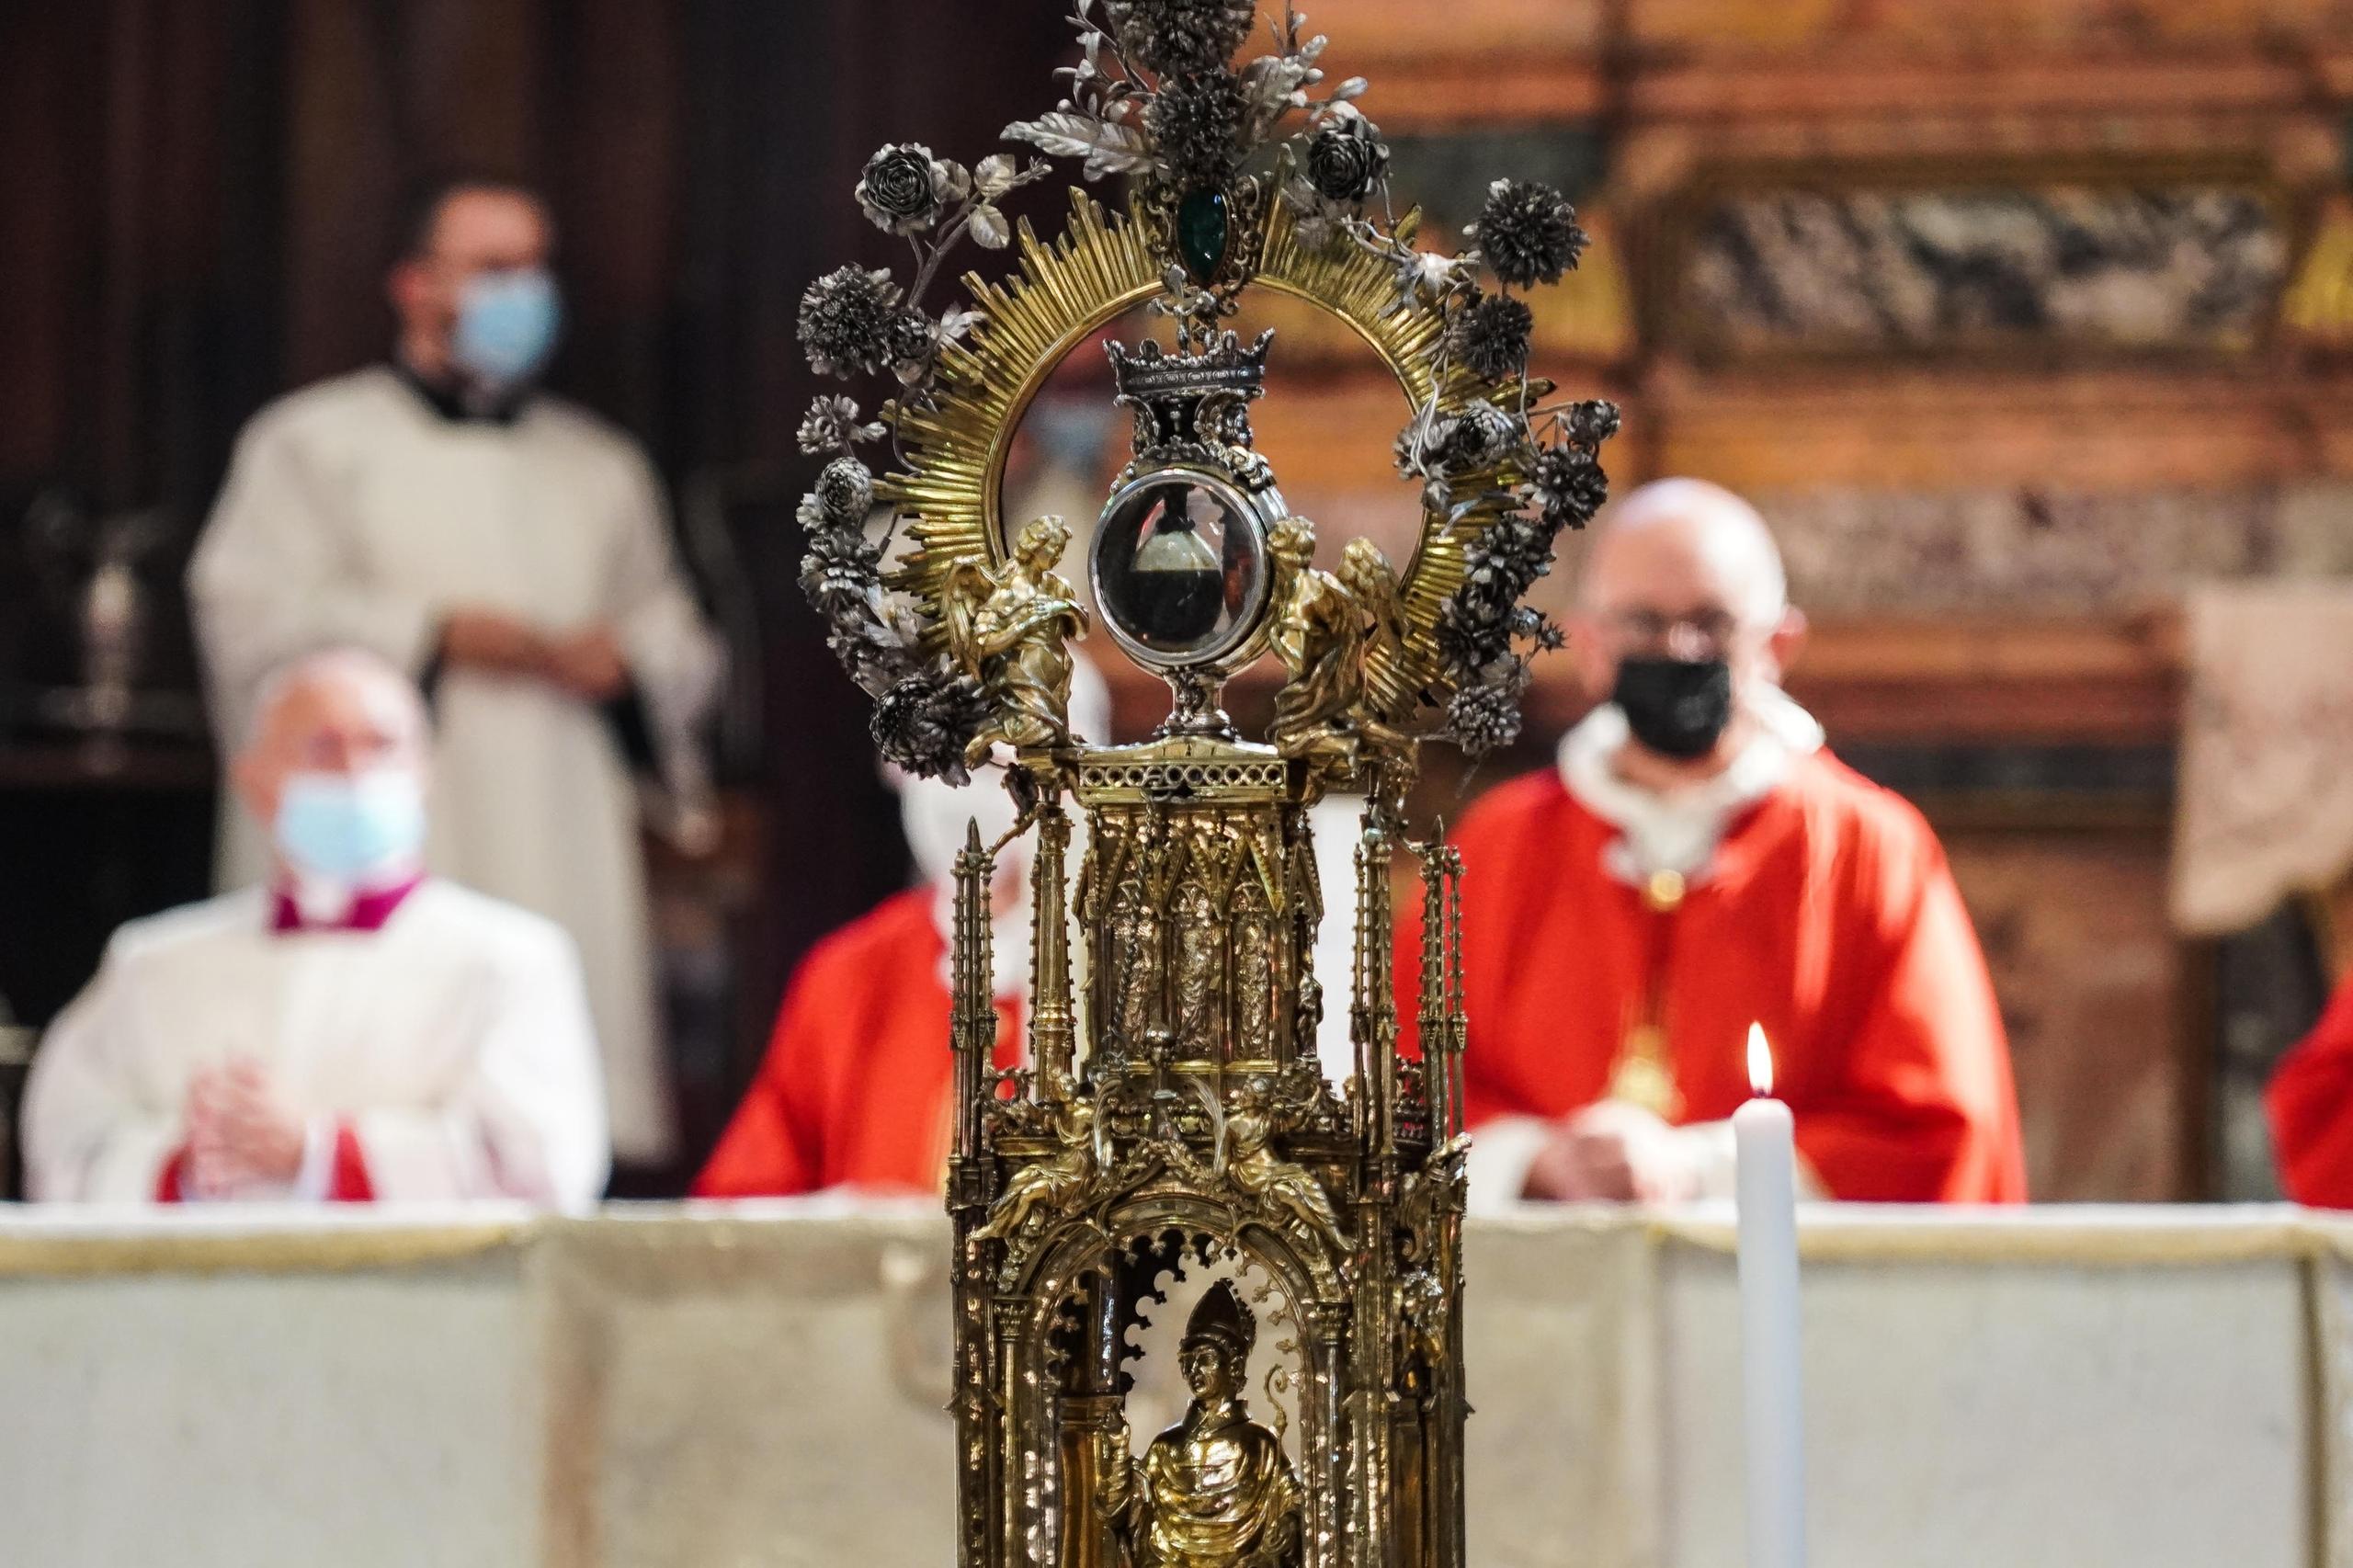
1007, 630
1255, 957
1325, 627
1131, 957
1199, 978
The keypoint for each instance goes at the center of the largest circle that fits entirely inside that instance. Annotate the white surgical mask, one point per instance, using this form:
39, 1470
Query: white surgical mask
935, 817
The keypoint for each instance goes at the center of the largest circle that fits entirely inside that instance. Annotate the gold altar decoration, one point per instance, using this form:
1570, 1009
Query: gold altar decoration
1173, 1143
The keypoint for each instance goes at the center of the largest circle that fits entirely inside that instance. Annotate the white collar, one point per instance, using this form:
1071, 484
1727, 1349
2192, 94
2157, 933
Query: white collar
1680, 832
322, 900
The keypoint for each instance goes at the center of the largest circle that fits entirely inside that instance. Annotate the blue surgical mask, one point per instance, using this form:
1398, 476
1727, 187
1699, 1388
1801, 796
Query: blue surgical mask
344, 827
506, 327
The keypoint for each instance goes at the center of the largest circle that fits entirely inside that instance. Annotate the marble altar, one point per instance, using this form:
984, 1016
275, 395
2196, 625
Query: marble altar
2079, 1387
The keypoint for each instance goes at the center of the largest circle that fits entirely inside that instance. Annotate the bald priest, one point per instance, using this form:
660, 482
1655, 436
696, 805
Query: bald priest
352, 1030
1697, 862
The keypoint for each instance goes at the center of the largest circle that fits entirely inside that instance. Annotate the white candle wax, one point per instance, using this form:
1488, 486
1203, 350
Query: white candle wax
1774, 1407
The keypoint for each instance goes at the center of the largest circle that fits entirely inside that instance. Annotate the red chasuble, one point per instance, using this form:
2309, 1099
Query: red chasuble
855, 1088
1829, 916
2311, 1102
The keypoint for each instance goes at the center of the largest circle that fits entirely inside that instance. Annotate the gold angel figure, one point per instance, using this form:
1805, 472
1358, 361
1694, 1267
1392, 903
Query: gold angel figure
1366, 574
1256, 1169
1060, 1180
1007, 630
1215, 1490
1325, 626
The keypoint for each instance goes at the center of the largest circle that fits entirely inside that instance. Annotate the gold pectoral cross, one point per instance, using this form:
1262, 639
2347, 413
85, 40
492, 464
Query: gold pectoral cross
1641, 1075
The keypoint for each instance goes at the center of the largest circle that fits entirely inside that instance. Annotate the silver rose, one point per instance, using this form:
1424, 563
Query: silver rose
905, 190
1346, 160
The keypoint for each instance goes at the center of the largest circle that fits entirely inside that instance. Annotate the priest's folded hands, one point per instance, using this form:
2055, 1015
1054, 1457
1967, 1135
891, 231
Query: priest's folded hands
1621, 1152
586, 664
243, 1137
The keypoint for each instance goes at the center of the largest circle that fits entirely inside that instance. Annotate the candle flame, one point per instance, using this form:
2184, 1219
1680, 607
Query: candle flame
1760, 1061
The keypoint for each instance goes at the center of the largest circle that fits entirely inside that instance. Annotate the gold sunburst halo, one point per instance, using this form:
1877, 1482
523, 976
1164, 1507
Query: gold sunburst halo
952, 485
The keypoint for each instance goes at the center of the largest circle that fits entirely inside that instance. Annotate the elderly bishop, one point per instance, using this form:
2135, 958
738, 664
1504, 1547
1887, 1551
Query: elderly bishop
351, 1029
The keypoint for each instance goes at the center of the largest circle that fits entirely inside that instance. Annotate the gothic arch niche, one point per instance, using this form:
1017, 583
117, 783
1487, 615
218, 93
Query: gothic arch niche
1156, 1395
1121, 1291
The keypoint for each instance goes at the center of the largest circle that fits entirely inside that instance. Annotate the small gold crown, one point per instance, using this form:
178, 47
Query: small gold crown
1191, 400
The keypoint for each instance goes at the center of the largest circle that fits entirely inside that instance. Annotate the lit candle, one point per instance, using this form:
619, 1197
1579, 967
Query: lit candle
1765, 1139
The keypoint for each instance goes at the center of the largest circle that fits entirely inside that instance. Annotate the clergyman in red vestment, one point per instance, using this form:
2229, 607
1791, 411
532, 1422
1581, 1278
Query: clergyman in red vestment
854, 1089
2310, 1107
1697, 861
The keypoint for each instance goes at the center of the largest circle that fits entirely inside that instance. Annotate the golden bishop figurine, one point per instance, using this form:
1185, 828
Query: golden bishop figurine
1215, 1490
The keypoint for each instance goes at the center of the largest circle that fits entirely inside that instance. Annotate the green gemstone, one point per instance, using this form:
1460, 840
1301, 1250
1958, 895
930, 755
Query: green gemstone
1201, 234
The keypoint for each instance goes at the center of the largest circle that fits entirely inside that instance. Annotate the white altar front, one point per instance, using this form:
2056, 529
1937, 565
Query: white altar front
714, 1386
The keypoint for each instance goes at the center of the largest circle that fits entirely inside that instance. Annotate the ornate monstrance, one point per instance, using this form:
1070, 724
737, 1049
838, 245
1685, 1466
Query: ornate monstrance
1172, 1136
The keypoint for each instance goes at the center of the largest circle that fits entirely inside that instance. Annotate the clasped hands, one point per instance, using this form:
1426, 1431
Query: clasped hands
587, 663
241, 1132
1615, 1152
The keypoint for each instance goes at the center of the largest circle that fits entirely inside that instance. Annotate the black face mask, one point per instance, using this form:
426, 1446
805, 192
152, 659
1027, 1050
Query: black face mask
1677, 707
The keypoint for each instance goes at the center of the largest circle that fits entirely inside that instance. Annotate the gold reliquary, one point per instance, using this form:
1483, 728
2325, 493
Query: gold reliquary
1174, 1146
1208, 1283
